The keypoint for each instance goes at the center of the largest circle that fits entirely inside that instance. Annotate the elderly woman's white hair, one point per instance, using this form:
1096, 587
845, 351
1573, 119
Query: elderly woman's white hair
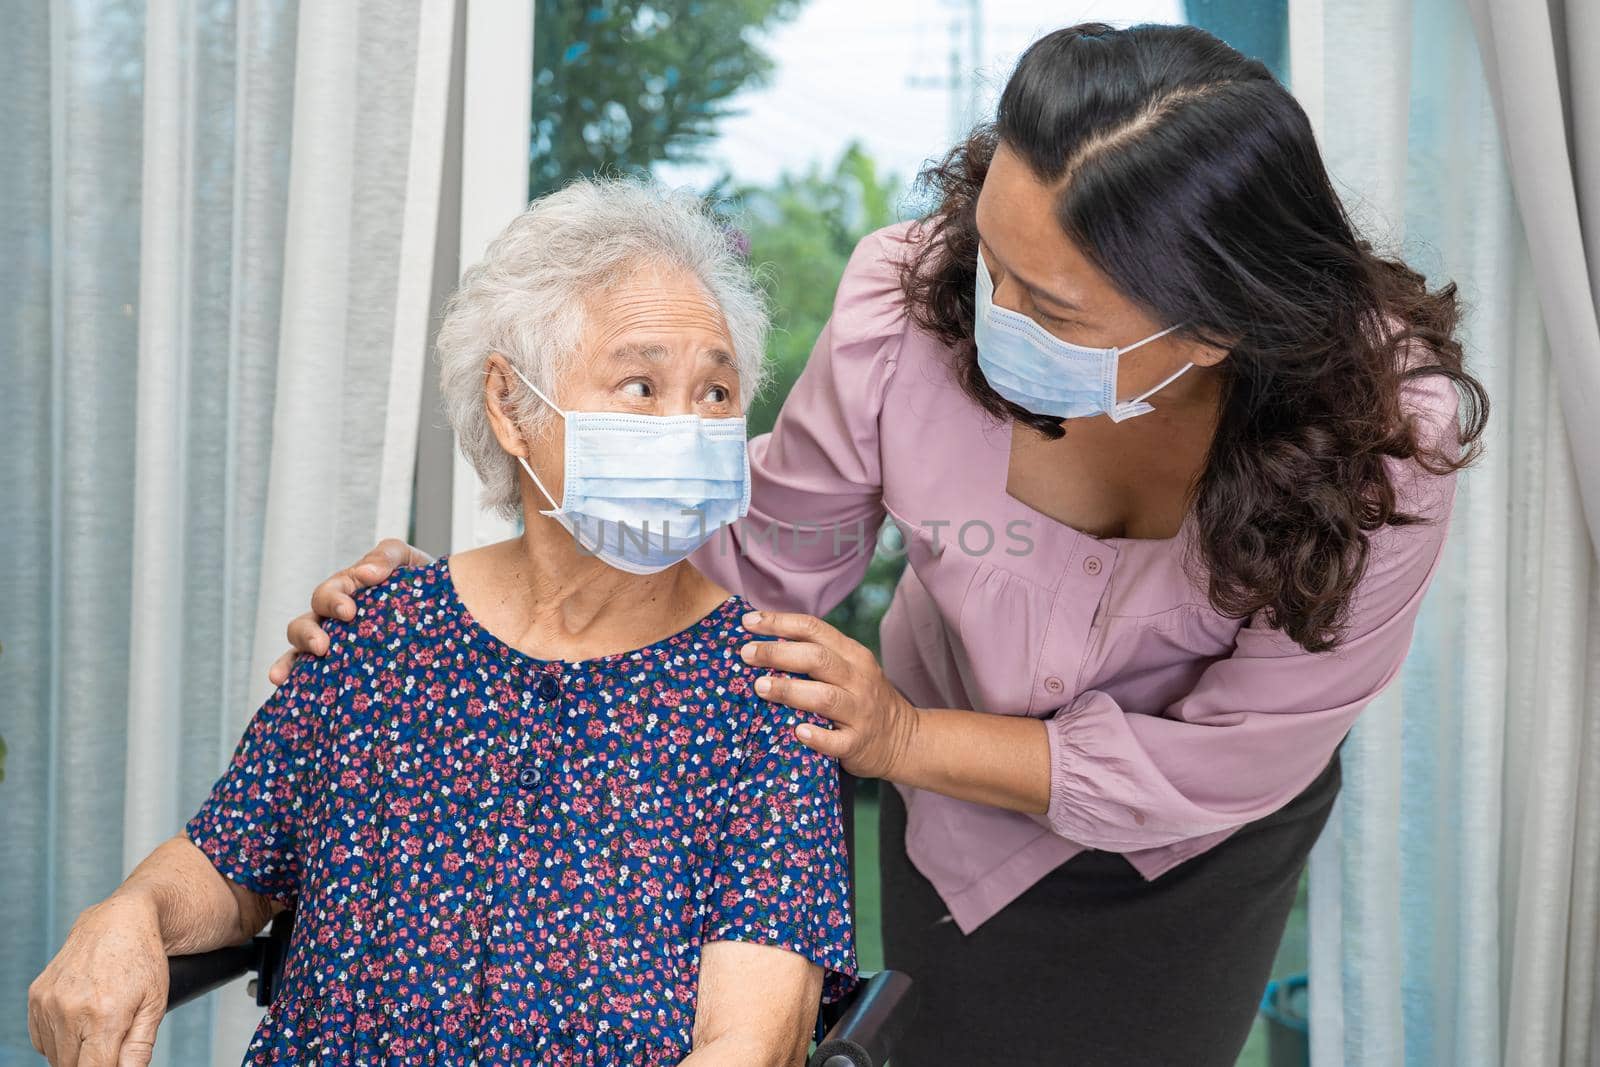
527, 300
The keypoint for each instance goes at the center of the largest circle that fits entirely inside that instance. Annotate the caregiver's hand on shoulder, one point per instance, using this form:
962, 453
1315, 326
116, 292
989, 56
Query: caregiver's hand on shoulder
873, 724
333, 600
101, 998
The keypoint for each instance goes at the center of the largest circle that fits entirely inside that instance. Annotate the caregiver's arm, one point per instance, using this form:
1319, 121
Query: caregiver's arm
101, 998
755, 1006
1257, 728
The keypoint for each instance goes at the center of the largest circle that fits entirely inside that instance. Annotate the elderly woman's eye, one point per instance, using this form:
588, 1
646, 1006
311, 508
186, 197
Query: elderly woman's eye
637, 387
718, 395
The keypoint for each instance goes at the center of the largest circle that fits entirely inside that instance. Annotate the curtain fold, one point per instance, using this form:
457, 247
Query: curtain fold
221, 222
1453, 894
1539, 59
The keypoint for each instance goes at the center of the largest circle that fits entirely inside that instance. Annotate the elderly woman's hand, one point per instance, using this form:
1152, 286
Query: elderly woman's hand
100, 1000
873, 724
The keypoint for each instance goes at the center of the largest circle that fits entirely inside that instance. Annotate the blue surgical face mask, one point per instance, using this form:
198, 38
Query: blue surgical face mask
1036, 370
642, 492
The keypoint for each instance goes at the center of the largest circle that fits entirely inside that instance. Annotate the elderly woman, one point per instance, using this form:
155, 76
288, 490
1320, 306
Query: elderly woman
529, 806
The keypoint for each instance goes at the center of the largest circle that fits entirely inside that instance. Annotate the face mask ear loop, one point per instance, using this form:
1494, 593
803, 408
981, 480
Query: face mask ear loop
1125, 409
1147, 340
540, 394
553, 505
1174, 376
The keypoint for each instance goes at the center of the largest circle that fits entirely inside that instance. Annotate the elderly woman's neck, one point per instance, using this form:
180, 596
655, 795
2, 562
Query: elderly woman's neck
542, 596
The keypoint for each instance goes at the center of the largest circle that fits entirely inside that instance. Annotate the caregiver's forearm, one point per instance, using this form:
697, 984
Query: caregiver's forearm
196, 907
999, 760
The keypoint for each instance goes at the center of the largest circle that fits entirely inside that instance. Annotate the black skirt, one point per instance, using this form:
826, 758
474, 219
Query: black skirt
1095, 965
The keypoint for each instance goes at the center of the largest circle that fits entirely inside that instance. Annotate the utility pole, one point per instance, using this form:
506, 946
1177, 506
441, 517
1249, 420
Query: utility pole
961, 84
974, 63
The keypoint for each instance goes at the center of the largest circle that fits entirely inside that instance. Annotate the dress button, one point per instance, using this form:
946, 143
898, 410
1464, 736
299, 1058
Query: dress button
529, 777
1054, 684
1091, 566
549, 688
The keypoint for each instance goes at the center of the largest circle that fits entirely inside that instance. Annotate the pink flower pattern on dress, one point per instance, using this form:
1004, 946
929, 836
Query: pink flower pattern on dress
497, 859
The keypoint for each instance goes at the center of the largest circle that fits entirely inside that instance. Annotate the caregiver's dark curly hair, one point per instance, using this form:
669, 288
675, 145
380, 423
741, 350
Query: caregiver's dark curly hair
1191, 178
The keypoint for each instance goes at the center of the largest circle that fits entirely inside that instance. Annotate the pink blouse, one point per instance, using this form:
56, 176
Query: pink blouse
1170, 725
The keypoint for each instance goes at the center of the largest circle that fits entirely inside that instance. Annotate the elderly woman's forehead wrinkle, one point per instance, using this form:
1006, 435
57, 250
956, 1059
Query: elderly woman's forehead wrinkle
658, 312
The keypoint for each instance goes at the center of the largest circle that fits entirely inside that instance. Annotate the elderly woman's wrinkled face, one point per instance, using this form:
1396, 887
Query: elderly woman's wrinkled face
653, 344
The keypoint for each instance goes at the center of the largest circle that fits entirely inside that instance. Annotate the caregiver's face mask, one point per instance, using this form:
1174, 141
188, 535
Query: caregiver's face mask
1036, 370
642, 492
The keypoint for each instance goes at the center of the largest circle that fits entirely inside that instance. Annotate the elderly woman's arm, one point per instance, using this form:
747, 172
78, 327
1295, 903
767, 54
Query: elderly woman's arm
239, 859
776, 934
98, 1003
755, 1006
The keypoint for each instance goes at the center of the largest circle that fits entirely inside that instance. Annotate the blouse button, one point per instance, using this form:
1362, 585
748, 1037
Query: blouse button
1054, 684
549, 688
1091, 566
529, 777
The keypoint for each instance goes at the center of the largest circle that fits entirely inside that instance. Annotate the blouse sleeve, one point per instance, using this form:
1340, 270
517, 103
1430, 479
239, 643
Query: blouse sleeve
782, 874
250, 825
1260, 724
816, 483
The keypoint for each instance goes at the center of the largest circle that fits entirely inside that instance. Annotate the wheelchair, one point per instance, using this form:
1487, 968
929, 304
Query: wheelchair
862, 1029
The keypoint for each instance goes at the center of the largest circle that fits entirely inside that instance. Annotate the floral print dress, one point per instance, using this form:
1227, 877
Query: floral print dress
497, 859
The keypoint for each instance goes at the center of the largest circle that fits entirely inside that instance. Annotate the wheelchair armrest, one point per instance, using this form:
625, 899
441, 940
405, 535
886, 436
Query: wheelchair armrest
194, 976
871, 1024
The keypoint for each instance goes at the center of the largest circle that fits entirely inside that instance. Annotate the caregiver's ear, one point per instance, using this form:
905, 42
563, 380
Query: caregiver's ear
1207, 351
501, 387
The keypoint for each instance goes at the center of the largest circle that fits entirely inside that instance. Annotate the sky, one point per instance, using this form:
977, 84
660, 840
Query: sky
879, 71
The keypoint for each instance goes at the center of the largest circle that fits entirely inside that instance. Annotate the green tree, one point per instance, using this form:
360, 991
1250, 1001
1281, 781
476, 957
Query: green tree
621, 84
801, 231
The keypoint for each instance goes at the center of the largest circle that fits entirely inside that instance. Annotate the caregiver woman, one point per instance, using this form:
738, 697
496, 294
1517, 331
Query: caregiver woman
1173, 452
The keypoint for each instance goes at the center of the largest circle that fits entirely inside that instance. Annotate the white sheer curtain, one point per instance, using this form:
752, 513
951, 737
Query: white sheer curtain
497, 104
1453, 893
219, 223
